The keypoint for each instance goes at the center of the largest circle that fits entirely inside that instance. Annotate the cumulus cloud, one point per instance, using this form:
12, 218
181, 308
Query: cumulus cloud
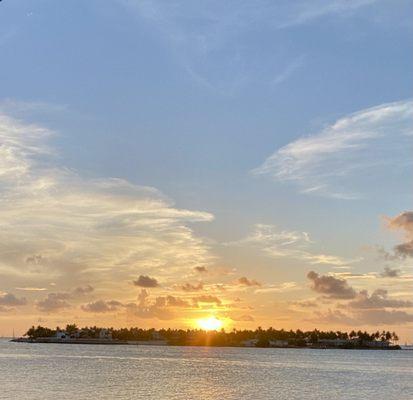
189, 287
146, 281
356, 144
243, 318
404, 249
59, 226
34, 259
390, 272
363, 317
206, 298
362, 308
244, 281
378, 299
10, 300
386, 317
54, 302
161, 307
201, 269
334, 288
404, 222
334, 317
173, 301
83, 290
57, 301
102, 306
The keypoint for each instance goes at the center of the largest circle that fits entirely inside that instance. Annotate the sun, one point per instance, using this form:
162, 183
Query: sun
210, 324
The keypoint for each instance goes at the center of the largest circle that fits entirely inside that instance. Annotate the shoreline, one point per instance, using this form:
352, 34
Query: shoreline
163, 343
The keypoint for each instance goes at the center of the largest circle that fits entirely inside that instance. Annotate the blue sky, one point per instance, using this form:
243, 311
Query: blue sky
268, 116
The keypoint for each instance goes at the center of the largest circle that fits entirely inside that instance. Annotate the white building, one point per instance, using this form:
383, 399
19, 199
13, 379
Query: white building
278, 343
105, 334
62, 335
250, 343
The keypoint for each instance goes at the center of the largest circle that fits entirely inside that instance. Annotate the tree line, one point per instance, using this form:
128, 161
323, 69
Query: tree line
216, 338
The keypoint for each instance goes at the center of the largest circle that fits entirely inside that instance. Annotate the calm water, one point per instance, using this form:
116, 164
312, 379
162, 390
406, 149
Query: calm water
50, 371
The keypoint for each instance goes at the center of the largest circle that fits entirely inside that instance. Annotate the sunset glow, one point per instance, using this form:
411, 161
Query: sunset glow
210, 324
209, 169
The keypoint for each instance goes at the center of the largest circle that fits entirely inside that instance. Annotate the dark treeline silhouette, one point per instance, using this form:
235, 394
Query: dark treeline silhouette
263, 337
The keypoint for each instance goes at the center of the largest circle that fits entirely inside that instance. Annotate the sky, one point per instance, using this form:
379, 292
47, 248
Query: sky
166, 161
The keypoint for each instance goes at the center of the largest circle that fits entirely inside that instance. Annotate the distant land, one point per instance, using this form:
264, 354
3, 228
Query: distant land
264, 338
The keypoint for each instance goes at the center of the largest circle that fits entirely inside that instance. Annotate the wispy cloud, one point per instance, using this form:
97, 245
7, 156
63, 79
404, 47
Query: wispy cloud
328, 162
289, 70
19, 108
210, 40
58, 226
291, 244
302, 12
278, 288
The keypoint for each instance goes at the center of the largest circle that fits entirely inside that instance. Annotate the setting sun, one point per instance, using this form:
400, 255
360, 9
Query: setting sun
210, 324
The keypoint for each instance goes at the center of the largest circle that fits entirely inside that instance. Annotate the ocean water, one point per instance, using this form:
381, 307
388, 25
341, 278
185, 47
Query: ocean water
53, 371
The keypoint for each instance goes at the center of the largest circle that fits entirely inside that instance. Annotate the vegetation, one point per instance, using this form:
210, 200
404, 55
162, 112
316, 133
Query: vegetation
218, 338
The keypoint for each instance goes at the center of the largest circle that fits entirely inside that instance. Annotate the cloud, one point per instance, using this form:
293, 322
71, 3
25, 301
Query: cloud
210, 41
243, 318
306, 303
303, 12
244, 281
390, 272
35, 259
189, 287
173, 301
161, 307
404, 222
334, 317
206, 299
201, 269
363, 317
24, 108
278, 288
391, 317
102, 306
282, 243
274, 241
82, 291
10, 300
405, 249
330, 286
146, 281
61, 227
54, 302
362, 308
350, 150
378, 299
288, 71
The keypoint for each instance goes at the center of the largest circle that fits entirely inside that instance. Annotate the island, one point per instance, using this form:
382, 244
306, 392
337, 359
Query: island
264, 338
